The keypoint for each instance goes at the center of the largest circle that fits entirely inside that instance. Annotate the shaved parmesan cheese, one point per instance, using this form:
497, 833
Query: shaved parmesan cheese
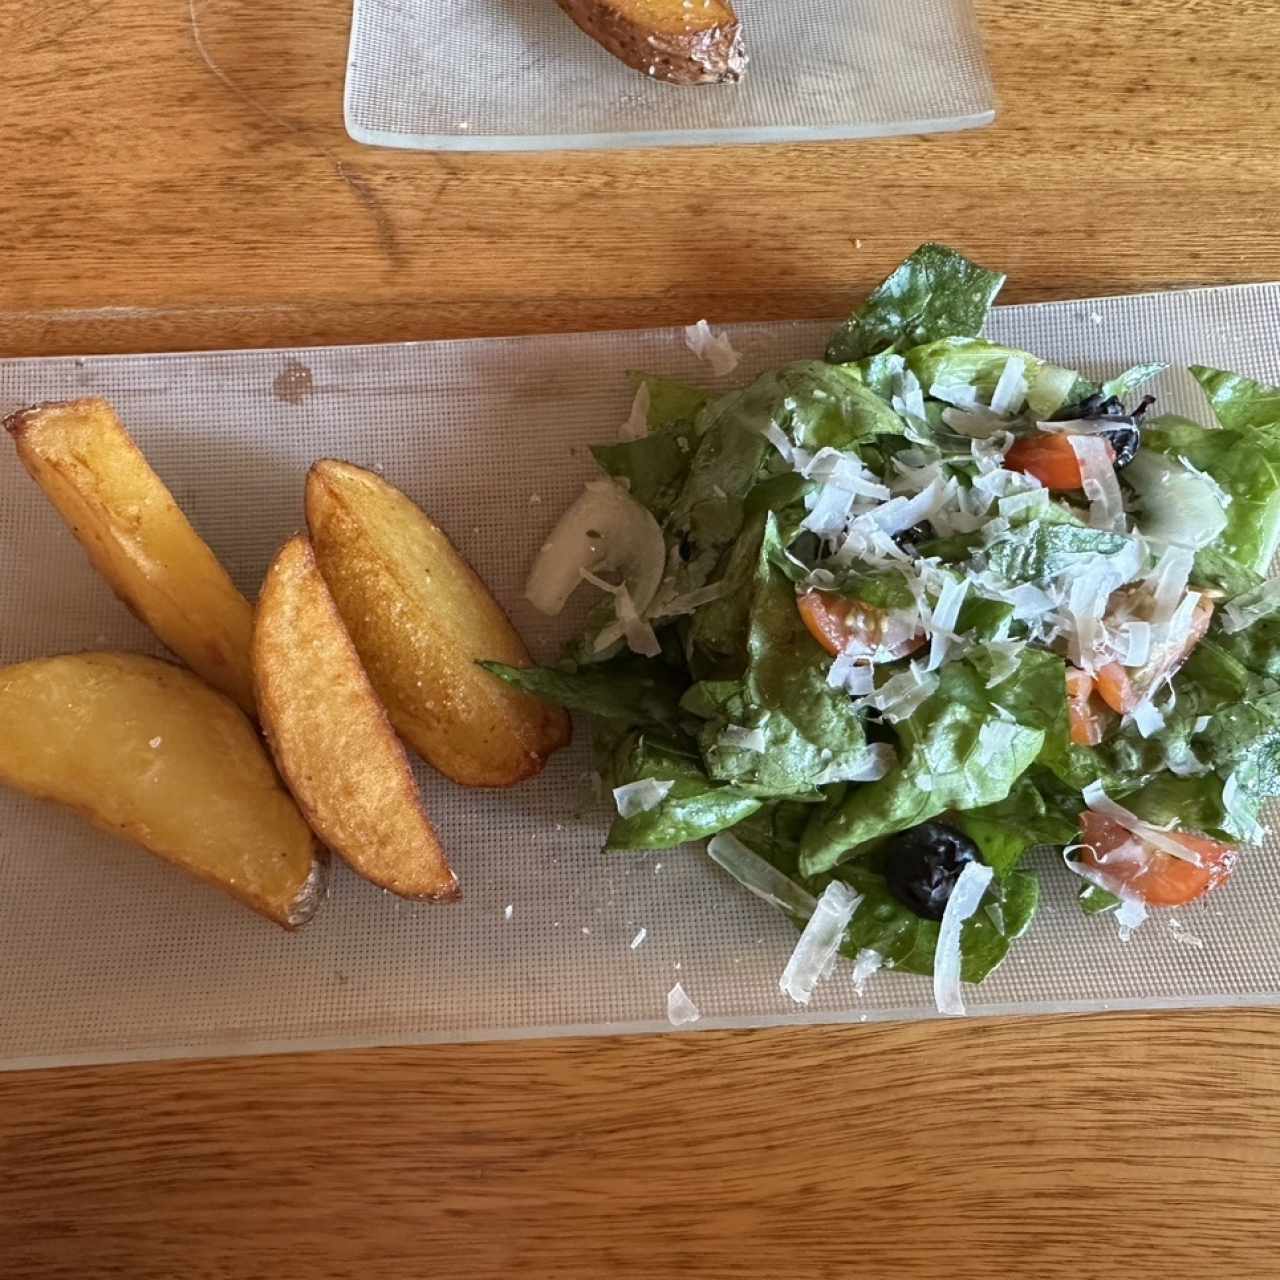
866, 965
819, 942
1240, 816
691, 600
1246, 609
1010, 393
989, 453
1006, 655
901, 695
778, 438
760, 876
714, 348
852, 673
977, 424
636, 426
966, 896
830, 511
640, 636
942, 624
633, 798
1106, 503
605, 530
963, 395
1095, 796
741, 739
1201, 724
1137, 644
639, 938
900, 514
1129, 915
1148, 718
908, 397
877, 762
680, 1009
1168, 582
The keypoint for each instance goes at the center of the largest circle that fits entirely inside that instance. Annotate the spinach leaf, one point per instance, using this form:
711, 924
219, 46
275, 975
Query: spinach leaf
1239, 402
935, 293
812, 732
958, 753
657, 465
624, 688
1005, 831
695, 807
906, 941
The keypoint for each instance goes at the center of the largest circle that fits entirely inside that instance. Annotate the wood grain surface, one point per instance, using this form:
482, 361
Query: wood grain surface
177, 176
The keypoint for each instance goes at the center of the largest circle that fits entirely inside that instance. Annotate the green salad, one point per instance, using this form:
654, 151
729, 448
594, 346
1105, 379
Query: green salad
875, 626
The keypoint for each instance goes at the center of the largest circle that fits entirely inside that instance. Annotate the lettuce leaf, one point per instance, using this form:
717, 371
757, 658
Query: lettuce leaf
935, 293
957, 751
1239, 402
1246, 464
978, 363
813, 732
625, 688
694, 808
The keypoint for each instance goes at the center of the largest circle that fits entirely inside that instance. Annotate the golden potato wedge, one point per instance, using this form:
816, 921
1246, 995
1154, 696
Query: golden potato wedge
149, 752
673, 40
421, 620
331, 737
137, 537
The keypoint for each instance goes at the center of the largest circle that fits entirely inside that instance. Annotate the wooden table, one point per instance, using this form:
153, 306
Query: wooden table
176, 176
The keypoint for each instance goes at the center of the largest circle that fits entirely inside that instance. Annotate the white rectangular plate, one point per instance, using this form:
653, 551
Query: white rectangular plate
106, 954
518, 75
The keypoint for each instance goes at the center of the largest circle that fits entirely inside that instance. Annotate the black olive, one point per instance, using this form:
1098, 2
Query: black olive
910, 539
1126, 439
686, 548
923, 864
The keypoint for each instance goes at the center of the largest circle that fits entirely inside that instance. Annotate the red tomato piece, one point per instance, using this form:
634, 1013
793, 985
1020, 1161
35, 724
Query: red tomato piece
1128, 865
841, 625
1086, 724
1050, 458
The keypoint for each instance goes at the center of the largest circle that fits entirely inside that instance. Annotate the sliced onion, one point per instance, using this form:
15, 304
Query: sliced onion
604, 531
1179, 506
819, 942
760, 876
966, 896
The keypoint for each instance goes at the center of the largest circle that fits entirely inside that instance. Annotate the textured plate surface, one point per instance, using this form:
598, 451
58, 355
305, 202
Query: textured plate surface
106, 954
509, 75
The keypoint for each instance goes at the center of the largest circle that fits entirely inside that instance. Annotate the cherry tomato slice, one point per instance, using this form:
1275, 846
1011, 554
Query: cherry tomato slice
1086, 723
1122, 689
1126, 864
841, 625
1051, 459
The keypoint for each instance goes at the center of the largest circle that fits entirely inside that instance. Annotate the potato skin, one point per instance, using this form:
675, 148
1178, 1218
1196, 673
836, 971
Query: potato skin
421, 620
664, 39
137, 537
331, 738
148, 752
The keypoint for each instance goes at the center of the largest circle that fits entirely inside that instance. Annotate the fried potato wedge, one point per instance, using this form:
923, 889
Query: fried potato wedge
421, 620
331, 737
673, 40
136, 536
149, 752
